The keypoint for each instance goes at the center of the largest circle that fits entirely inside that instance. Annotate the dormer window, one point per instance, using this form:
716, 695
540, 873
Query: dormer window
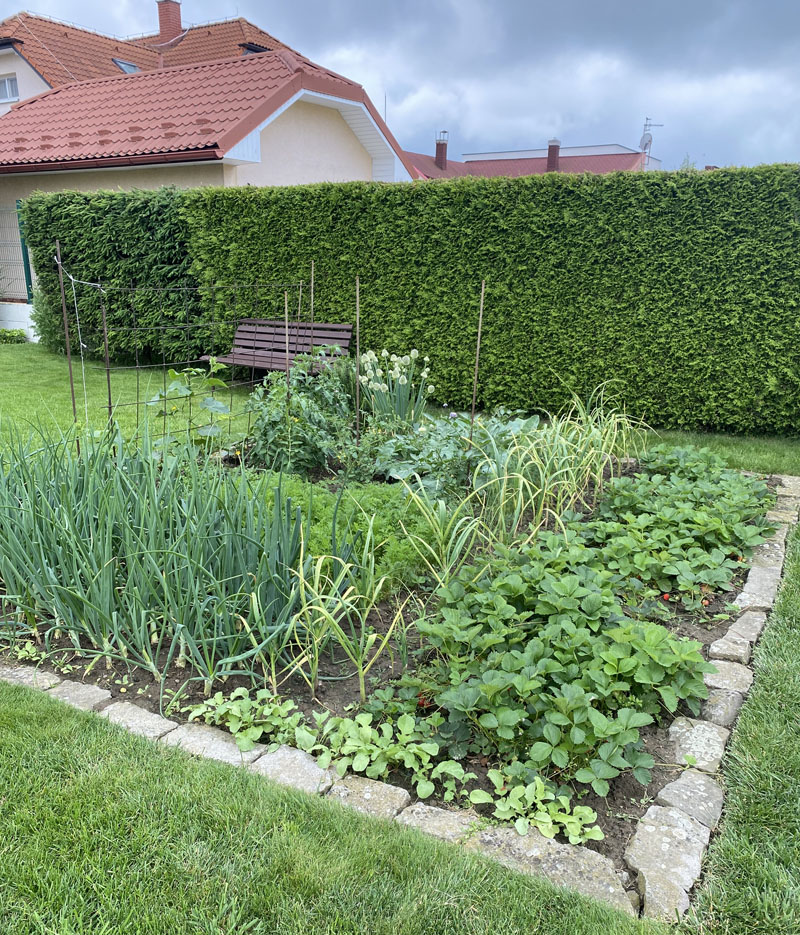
250, 48
128, 67
8, 88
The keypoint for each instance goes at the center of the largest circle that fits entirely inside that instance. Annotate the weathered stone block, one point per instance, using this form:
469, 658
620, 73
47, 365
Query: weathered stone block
370, 797
440, 822
29, 676
79, 695
730, 676
769, 554
731, 649
137, 720
787, 503
749, 625
562, 864
296, 768
210, 742
782, 516
696, 794
722, 707
701, 740
662, 898
779, 536
760, 589
790, 482
667, 848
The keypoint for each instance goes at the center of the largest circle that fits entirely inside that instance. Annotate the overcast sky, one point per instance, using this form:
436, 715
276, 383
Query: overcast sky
723, 76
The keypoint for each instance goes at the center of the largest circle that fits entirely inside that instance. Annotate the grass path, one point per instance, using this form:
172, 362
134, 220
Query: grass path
105, 834
752, 880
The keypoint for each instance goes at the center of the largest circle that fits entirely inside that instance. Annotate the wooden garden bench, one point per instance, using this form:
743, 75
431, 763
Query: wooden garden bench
260, 343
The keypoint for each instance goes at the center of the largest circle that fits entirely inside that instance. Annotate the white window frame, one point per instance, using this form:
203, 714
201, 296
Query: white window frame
6, 82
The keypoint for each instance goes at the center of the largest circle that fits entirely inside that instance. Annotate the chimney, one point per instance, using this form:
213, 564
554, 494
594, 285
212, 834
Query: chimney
441, 150
553, 149
169, 20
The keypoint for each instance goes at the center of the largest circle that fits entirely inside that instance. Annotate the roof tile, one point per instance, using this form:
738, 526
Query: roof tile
187, 108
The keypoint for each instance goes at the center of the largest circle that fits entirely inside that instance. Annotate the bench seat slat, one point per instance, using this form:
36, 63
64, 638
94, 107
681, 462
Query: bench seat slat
260, 343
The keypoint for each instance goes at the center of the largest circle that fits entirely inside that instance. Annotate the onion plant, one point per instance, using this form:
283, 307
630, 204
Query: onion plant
395, 386
151, 559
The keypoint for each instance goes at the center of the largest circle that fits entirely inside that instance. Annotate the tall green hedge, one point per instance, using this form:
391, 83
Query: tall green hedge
683, 288
135, 244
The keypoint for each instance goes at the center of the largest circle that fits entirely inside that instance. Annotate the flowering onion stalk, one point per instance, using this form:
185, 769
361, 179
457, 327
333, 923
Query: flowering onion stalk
396, 386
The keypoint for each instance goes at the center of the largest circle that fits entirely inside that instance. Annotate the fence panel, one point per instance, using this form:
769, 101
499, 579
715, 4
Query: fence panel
14, 277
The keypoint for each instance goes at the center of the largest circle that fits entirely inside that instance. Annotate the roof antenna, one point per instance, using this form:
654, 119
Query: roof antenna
646, 142
384, 107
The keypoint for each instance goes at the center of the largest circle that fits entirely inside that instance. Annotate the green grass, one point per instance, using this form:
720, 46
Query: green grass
752, 879
104, 833
34, 391
765, 454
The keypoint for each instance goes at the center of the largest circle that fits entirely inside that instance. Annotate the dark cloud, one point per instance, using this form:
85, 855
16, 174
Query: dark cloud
722, 75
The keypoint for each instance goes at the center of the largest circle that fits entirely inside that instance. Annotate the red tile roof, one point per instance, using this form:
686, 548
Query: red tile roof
63, 53
184, 113
598, 164
215, 41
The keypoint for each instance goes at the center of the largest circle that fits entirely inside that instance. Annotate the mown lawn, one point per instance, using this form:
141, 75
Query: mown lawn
752, 879
105, 834
35, 393
766, 454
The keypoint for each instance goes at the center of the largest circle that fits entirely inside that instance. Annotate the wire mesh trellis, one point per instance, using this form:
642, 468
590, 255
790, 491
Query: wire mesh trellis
162, 337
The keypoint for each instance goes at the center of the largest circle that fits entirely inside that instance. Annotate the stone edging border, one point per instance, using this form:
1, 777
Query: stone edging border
664, 856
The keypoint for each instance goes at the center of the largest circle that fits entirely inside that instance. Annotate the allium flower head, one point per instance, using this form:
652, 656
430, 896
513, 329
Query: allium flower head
414, 353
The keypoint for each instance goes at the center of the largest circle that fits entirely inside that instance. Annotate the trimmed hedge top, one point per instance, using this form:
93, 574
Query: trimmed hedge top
682, 288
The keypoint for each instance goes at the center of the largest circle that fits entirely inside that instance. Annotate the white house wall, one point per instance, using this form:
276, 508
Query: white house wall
305, 143
29, 81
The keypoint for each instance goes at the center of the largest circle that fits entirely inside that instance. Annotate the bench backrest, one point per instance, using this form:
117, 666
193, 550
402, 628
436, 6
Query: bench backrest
262, 334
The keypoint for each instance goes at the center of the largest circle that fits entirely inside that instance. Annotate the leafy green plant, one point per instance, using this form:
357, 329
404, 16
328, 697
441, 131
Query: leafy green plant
536, 804
423, 250
300, 424
265, 716
13, 336
189, 392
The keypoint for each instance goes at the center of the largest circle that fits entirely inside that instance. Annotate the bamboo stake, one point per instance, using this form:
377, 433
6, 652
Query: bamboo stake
358, 359
66, 337
107, 361
312, 295
286, 326
477, 361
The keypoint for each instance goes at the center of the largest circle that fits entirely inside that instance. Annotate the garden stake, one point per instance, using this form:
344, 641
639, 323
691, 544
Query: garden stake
288, 384
358, 358
477, 359
66, 336
105, 353
300, 309
312, 294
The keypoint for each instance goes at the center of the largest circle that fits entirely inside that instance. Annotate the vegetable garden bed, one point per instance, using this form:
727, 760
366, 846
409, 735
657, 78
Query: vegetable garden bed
501, 627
